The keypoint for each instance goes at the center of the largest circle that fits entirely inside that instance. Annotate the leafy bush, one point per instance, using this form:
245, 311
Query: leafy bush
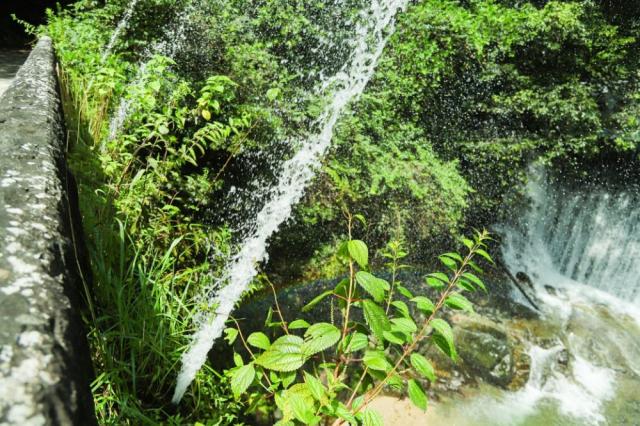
331, 371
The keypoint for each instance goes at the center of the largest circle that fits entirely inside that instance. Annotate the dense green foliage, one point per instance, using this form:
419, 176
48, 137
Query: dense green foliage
466, 94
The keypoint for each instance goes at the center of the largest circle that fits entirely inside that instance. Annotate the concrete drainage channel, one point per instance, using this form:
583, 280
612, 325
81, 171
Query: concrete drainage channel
45, 367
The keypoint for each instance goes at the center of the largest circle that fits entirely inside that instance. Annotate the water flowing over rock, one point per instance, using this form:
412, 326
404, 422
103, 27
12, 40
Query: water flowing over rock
343, 87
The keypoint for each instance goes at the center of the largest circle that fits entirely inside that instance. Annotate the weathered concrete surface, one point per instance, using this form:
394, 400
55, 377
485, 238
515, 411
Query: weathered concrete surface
45, 369
10, 62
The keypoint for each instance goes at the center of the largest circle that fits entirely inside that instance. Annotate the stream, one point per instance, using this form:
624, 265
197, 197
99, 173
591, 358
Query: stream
579, 248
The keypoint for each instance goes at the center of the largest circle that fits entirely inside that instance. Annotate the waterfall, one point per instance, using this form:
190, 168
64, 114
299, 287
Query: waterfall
344, 86
122, 25
579, 245
587, 234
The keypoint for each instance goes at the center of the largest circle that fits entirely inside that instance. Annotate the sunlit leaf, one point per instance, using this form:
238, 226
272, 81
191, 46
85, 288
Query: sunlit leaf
230, 335
298, 324
259, 340
443, 337
424, 304
458, 302
319, 337
371, 417
376, 360
423, 366
359, 252
242, 379
417, 395
316, 300
376, 318
373, 285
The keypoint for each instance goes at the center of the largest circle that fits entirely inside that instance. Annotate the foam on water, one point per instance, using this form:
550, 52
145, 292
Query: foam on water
345, 86
583, 244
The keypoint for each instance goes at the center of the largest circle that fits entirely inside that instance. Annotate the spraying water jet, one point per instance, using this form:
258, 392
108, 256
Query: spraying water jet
344, 87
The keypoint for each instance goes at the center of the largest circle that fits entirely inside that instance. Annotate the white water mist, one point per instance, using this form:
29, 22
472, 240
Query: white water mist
122, 25
173, 40
346, 85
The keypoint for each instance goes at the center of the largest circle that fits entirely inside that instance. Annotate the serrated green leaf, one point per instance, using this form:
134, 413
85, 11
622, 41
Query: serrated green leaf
423, 366
440, 276
316, 300
468, 243
280, 361
357, 403
357, 341
315, 386
448, 262
287, 378
359, 252
396, 382
230, 335
403, 325
285, 354
465, 285
424, 304
377, 360
435, 283
259, 340
454, 256
443, 337
298, 324
373, 285
402, 308
395, 337
297, 401
301, 410
340, 410
288, 343
417, 395
319, 337
371, 417
242, 379
376, 318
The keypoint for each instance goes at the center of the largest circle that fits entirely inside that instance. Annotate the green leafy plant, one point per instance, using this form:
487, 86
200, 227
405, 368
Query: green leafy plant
330, 372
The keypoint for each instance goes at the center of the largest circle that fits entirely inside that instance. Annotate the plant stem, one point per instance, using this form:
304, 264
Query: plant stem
423, 331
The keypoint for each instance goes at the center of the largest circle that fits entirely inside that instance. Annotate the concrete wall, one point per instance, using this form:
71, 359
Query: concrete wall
45, 368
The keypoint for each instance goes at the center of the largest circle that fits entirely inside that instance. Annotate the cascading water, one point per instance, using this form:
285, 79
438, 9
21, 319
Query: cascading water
340, 89
122, 25
574, 237
594, 238
579, 245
